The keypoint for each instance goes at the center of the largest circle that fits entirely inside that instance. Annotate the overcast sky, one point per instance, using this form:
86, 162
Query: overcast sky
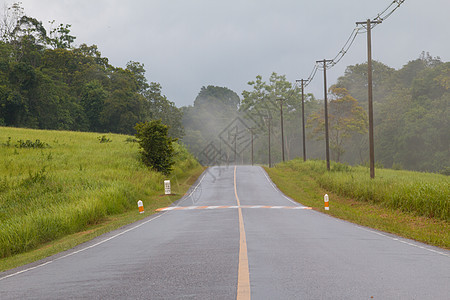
187, 44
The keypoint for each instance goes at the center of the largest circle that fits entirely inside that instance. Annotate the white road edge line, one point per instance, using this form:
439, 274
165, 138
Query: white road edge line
81, 250
400, 239
101, 242
193, 191
276, 189
366, 229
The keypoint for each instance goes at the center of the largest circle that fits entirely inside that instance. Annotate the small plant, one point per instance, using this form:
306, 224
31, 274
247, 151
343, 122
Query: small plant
130, 140
8, 142
397, 166
339, 167
104, 139
30, 144
445, 171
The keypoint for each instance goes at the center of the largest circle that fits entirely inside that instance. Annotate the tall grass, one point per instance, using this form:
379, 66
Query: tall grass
73, 182
423, 194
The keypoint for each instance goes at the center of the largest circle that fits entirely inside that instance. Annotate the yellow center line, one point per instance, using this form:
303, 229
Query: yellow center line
243, 289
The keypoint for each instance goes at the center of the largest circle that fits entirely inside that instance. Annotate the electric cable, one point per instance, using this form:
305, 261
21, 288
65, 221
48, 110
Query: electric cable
382, 16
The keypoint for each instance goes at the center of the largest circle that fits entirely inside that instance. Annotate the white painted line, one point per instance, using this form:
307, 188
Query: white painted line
169, 208
372, 231
403, 241
276, 189
212, 207
193, 191
83, 249
229, 206
192, 207
399, 239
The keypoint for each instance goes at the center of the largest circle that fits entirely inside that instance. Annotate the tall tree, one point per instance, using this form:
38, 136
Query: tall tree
345, 116
159, 107
264, 101
213, 110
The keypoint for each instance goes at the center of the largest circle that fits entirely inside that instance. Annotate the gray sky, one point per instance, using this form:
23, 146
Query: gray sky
187, 44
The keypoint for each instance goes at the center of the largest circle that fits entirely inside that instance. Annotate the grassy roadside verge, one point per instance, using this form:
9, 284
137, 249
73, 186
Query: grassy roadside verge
59, 189
305, 184
110, 223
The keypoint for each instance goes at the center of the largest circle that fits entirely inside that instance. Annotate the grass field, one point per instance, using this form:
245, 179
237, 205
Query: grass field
57, 183
411, 204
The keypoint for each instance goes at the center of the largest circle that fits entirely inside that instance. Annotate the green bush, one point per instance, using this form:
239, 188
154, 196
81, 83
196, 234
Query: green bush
156, 146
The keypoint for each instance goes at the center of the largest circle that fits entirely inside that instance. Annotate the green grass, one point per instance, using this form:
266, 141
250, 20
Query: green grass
411, 204
74, 183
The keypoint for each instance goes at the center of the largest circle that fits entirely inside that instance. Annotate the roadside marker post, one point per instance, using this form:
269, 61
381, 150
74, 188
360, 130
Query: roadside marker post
167, 187
326, 200
141, 207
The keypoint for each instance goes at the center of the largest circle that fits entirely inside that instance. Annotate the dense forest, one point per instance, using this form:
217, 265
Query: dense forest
411, 108
47, 83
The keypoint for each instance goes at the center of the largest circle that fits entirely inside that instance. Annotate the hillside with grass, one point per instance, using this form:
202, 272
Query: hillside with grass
411, 204
56, 183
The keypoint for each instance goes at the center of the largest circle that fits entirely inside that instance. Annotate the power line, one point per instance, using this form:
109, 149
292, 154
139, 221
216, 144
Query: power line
386, 13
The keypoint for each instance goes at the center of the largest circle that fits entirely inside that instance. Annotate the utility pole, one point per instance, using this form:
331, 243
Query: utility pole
282, 131
327, 140
303, 118
252, 132
368, 24
220, 151
268, 119
235, 143
233, 136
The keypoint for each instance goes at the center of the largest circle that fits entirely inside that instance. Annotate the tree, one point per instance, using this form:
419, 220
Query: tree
213, 110
159, 107
47, 84
156, 146
138, 71
93, 100
60, 36
261, 102
345, 118
412, 131
355, 81
215, 95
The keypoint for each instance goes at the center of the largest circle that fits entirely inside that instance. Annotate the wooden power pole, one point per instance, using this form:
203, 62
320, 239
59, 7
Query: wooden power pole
368, 24
303, 118
327, 139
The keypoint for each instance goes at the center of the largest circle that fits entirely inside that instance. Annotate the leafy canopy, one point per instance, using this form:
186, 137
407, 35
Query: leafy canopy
156, 145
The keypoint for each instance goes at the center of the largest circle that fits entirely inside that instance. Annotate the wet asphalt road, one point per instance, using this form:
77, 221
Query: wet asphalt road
194, 254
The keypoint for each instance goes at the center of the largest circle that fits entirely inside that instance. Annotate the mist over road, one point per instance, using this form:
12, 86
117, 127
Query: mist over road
236, 236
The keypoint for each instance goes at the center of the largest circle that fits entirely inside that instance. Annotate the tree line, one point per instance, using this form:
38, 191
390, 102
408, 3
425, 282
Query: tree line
411, 118
48, 83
